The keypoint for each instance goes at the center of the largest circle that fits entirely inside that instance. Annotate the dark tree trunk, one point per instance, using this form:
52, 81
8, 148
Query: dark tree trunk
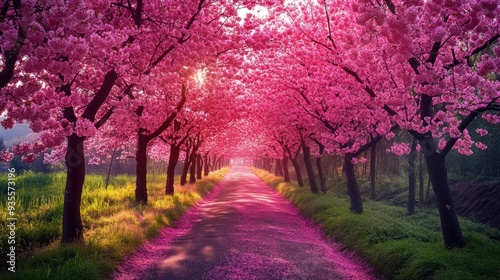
141, 191
321, 173
175, 151
185, 171
72, 228
373, 158
420, 180
185, 168
452, 232
212, 163
428, 192
352, 185
192, 168
309, 168
436, 168
268, 165
11, 55
412, 178
278, 170
206, 170
109, 168
286, 174
296, 166
365, 165
199, 165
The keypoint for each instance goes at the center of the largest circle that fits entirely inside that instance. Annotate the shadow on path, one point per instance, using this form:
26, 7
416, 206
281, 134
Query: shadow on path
243, 230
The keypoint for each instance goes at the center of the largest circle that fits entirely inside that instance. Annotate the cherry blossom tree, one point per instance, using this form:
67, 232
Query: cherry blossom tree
448, 55
427, 65
84, 62
282, 79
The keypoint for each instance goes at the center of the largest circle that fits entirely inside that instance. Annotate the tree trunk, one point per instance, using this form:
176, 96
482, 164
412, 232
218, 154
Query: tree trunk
373, 158
352, 185
141, 191
185, 168
365, 164
212, 163
412, 178
309, 168
321, 173
72, 228
185, 171
452, 232
278, 170
109, 168
436, 168
206, 170
192, 168
199, 169
286, 174
175, 151
428, 192
421, 180
297, 171
268, 165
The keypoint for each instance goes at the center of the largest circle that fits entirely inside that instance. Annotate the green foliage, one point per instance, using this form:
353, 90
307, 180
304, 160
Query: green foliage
114, 224
397, 245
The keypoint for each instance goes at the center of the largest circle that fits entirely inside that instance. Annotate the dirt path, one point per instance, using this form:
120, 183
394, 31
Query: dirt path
243, 230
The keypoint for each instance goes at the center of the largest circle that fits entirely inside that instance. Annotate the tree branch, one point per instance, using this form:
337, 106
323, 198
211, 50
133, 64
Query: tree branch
11, 57
461, 127
105, 118
100, 96
170, 118
481, 48
391, 6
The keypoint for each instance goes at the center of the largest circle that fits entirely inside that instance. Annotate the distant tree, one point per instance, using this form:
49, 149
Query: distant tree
18, 164
40, 166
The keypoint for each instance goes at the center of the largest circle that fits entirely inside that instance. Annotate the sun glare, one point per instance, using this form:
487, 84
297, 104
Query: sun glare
200, 75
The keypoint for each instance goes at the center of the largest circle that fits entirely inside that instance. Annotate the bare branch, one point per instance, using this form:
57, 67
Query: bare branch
329, 25
391, 6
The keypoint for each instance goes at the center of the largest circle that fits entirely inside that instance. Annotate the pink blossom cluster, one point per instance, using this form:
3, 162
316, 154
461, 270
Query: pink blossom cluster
21, 149
399, 149
85, 128
6, 156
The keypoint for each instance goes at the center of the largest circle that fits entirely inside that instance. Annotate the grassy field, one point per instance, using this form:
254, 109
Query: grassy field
114, 224
397, 245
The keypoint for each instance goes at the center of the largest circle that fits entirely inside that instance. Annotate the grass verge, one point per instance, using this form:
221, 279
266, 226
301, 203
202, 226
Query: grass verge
114, 223
397, 245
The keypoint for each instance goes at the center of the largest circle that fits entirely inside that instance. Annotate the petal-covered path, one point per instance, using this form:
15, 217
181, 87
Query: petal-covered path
242, 230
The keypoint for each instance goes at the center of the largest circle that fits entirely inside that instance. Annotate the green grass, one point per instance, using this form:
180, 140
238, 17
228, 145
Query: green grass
397, 245
114, 223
